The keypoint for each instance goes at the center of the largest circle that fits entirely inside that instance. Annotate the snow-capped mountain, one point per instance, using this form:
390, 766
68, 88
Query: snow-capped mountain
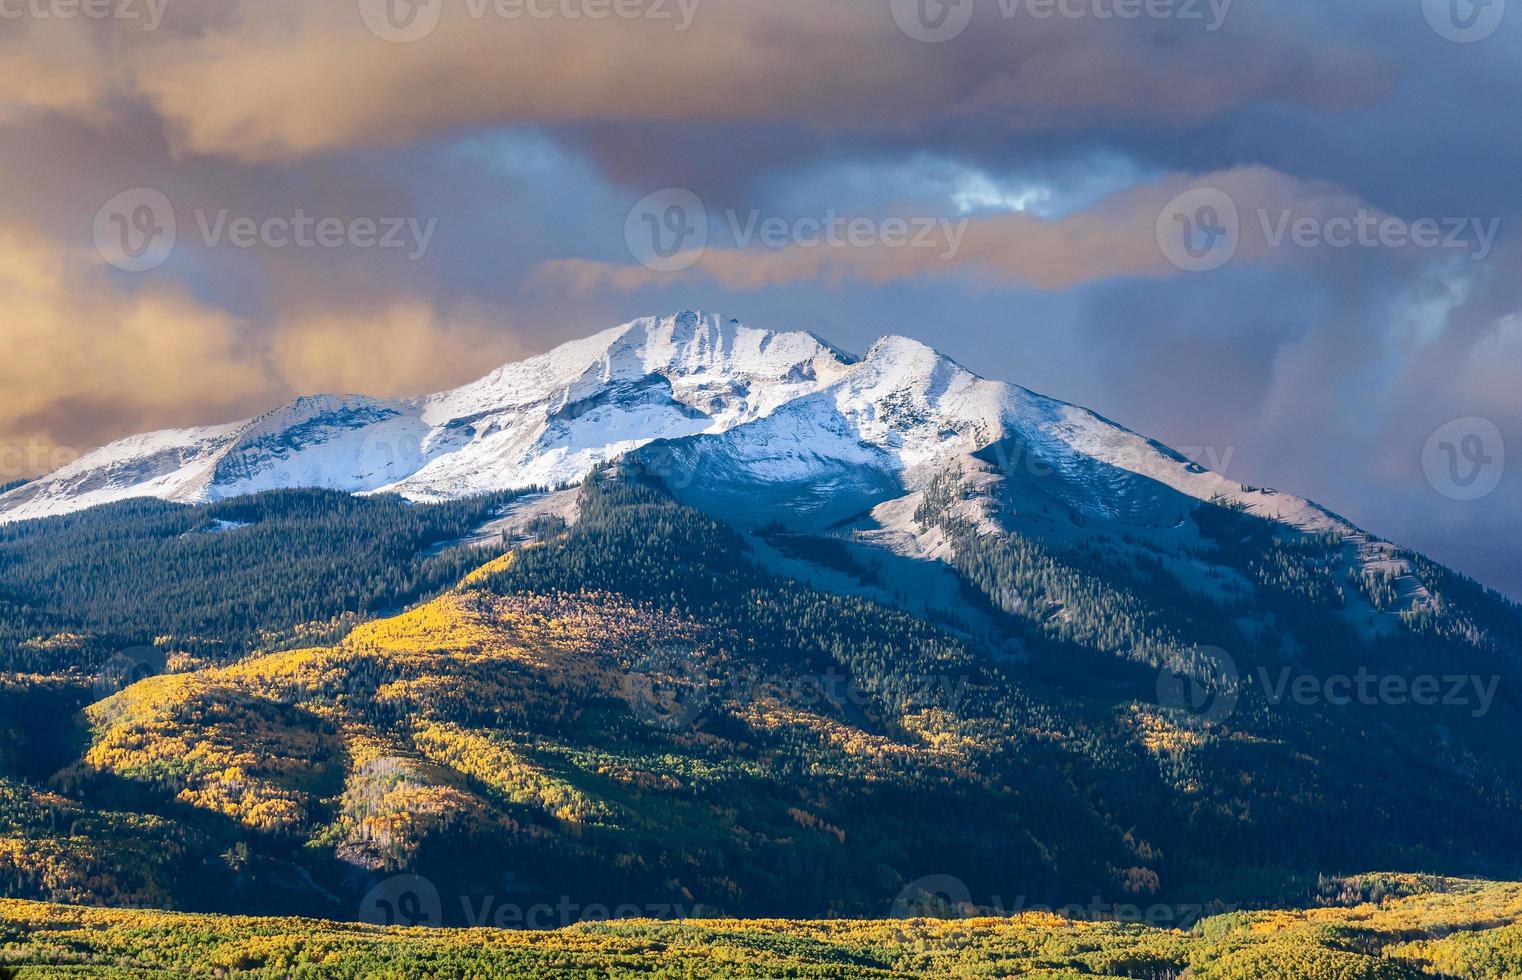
736, 411
901, 413
543, 421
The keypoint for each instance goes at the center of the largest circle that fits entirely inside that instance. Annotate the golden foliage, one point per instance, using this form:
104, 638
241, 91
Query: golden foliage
492, 761
1463, 929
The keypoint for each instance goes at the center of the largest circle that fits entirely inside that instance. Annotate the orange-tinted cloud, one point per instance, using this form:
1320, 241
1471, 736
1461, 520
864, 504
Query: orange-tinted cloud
90, 358
84, 355
406, 349
1117, 237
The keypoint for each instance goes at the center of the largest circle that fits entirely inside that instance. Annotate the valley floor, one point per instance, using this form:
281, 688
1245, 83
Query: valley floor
1395, 926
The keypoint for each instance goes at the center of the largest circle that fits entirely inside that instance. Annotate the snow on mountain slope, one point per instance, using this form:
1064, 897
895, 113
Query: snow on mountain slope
543, 421
745, 418
826, 455
325, 441
905, 412
551, 419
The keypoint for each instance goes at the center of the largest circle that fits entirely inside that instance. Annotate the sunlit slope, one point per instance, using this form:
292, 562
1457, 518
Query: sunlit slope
1422, 928
634, 712
410, 724
513, 726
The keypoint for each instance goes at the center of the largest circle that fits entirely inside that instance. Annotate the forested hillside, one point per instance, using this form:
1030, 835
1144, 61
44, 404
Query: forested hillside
633, 713
222, 580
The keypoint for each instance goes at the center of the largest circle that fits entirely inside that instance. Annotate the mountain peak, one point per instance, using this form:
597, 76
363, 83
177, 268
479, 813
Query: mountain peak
907, 355
694, 340
894, 346
770, 402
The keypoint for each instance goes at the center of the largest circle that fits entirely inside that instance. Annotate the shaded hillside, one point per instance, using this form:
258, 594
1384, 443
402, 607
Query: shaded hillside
635, 713
222, 580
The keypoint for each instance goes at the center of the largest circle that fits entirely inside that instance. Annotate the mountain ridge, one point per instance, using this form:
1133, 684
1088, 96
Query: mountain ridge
357, 443
550, 419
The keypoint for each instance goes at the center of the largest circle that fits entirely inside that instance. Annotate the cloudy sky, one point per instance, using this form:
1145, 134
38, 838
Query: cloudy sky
1280, 235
